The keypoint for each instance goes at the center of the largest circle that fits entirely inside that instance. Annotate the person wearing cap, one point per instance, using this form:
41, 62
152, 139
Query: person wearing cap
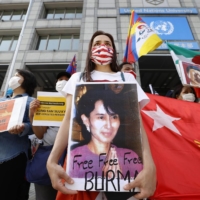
47, 134
127, 67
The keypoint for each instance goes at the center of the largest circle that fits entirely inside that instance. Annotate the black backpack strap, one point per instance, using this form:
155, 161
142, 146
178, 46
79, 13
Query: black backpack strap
122, 75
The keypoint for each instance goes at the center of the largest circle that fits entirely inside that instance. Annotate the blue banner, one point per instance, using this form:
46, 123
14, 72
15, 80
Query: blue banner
170, 28
174, 11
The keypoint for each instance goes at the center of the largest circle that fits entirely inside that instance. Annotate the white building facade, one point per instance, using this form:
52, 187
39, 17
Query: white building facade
56, 30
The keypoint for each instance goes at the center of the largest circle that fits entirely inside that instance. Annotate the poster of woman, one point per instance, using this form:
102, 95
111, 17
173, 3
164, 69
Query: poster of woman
191, 73
104, 143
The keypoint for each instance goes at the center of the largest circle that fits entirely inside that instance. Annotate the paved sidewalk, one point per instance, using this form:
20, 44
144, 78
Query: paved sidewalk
32, 192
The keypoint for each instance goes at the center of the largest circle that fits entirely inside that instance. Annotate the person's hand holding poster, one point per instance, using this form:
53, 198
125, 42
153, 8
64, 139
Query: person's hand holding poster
11, 113
104, 143
52, 109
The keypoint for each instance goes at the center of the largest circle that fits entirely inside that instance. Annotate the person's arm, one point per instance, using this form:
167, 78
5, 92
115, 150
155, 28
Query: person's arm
38, 130
146, 179
56, 172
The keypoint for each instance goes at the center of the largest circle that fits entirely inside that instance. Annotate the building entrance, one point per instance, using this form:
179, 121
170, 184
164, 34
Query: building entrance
159, 71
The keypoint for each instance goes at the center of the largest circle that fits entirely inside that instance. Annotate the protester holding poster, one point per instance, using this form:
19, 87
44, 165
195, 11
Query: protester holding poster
105, 113
14, 143
47, 134
101, 65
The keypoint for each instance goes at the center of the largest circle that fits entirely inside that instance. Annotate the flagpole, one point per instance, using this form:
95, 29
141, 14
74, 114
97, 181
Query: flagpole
17, 47
136, 66
151, 89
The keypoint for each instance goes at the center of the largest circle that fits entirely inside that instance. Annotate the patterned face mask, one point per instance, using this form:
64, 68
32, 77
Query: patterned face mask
102, 55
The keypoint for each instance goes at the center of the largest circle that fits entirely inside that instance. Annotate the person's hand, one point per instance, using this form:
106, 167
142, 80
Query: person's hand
145, 181
34, 105
17, 129
59, 177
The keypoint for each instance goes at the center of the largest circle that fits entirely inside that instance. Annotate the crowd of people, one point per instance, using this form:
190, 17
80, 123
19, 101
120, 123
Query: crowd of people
101, 65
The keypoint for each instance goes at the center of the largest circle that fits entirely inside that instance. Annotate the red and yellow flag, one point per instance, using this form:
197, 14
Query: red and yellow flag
141, 39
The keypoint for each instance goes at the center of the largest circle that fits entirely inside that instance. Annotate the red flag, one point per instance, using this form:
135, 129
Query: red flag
197, 91
173, 129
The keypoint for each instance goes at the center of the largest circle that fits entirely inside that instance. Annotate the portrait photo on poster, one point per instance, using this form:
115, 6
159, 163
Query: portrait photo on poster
191, 73
105, 150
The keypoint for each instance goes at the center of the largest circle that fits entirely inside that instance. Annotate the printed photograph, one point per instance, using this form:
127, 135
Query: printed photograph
192, 74
105, 138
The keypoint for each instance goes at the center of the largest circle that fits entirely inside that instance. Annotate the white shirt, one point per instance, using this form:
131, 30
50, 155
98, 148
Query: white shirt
50, 136
97, 75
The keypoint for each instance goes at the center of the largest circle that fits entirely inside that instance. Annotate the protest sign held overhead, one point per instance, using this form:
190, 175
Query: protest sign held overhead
52, 109
104, 151
141, 39
12, 112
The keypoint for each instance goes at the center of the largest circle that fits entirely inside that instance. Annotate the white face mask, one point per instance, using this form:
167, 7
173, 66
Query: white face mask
14, 82
60, 85
188, 97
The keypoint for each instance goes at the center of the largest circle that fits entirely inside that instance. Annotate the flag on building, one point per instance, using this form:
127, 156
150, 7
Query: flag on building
173, 128
72, 66
187, 63
141, 39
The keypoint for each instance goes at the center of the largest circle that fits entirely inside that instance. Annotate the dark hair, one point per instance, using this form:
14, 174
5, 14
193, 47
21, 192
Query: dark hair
29, 84
124, 63
90, 66
68, 75
177, 91
192, 67
86, 104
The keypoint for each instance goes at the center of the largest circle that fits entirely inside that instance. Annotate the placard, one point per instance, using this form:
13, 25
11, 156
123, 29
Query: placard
12, 112
190, 74
52, 109
104, 149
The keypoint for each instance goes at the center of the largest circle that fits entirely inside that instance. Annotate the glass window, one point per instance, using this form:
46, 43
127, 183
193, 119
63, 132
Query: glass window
75, 42
59, 14
79, 13
5, 43
42, 43
66, 42
24, 14
50, 14
6, 15
16, 15
61, 42
70, 13
14, 43
53, 43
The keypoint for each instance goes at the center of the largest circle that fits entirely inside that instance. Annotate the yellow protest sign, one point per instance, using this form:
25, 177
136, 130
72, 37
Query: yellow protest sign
52, 109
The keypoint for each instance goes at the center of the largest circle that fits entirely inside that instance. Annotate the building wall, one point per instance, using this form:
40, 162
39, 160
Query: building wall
97, 14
